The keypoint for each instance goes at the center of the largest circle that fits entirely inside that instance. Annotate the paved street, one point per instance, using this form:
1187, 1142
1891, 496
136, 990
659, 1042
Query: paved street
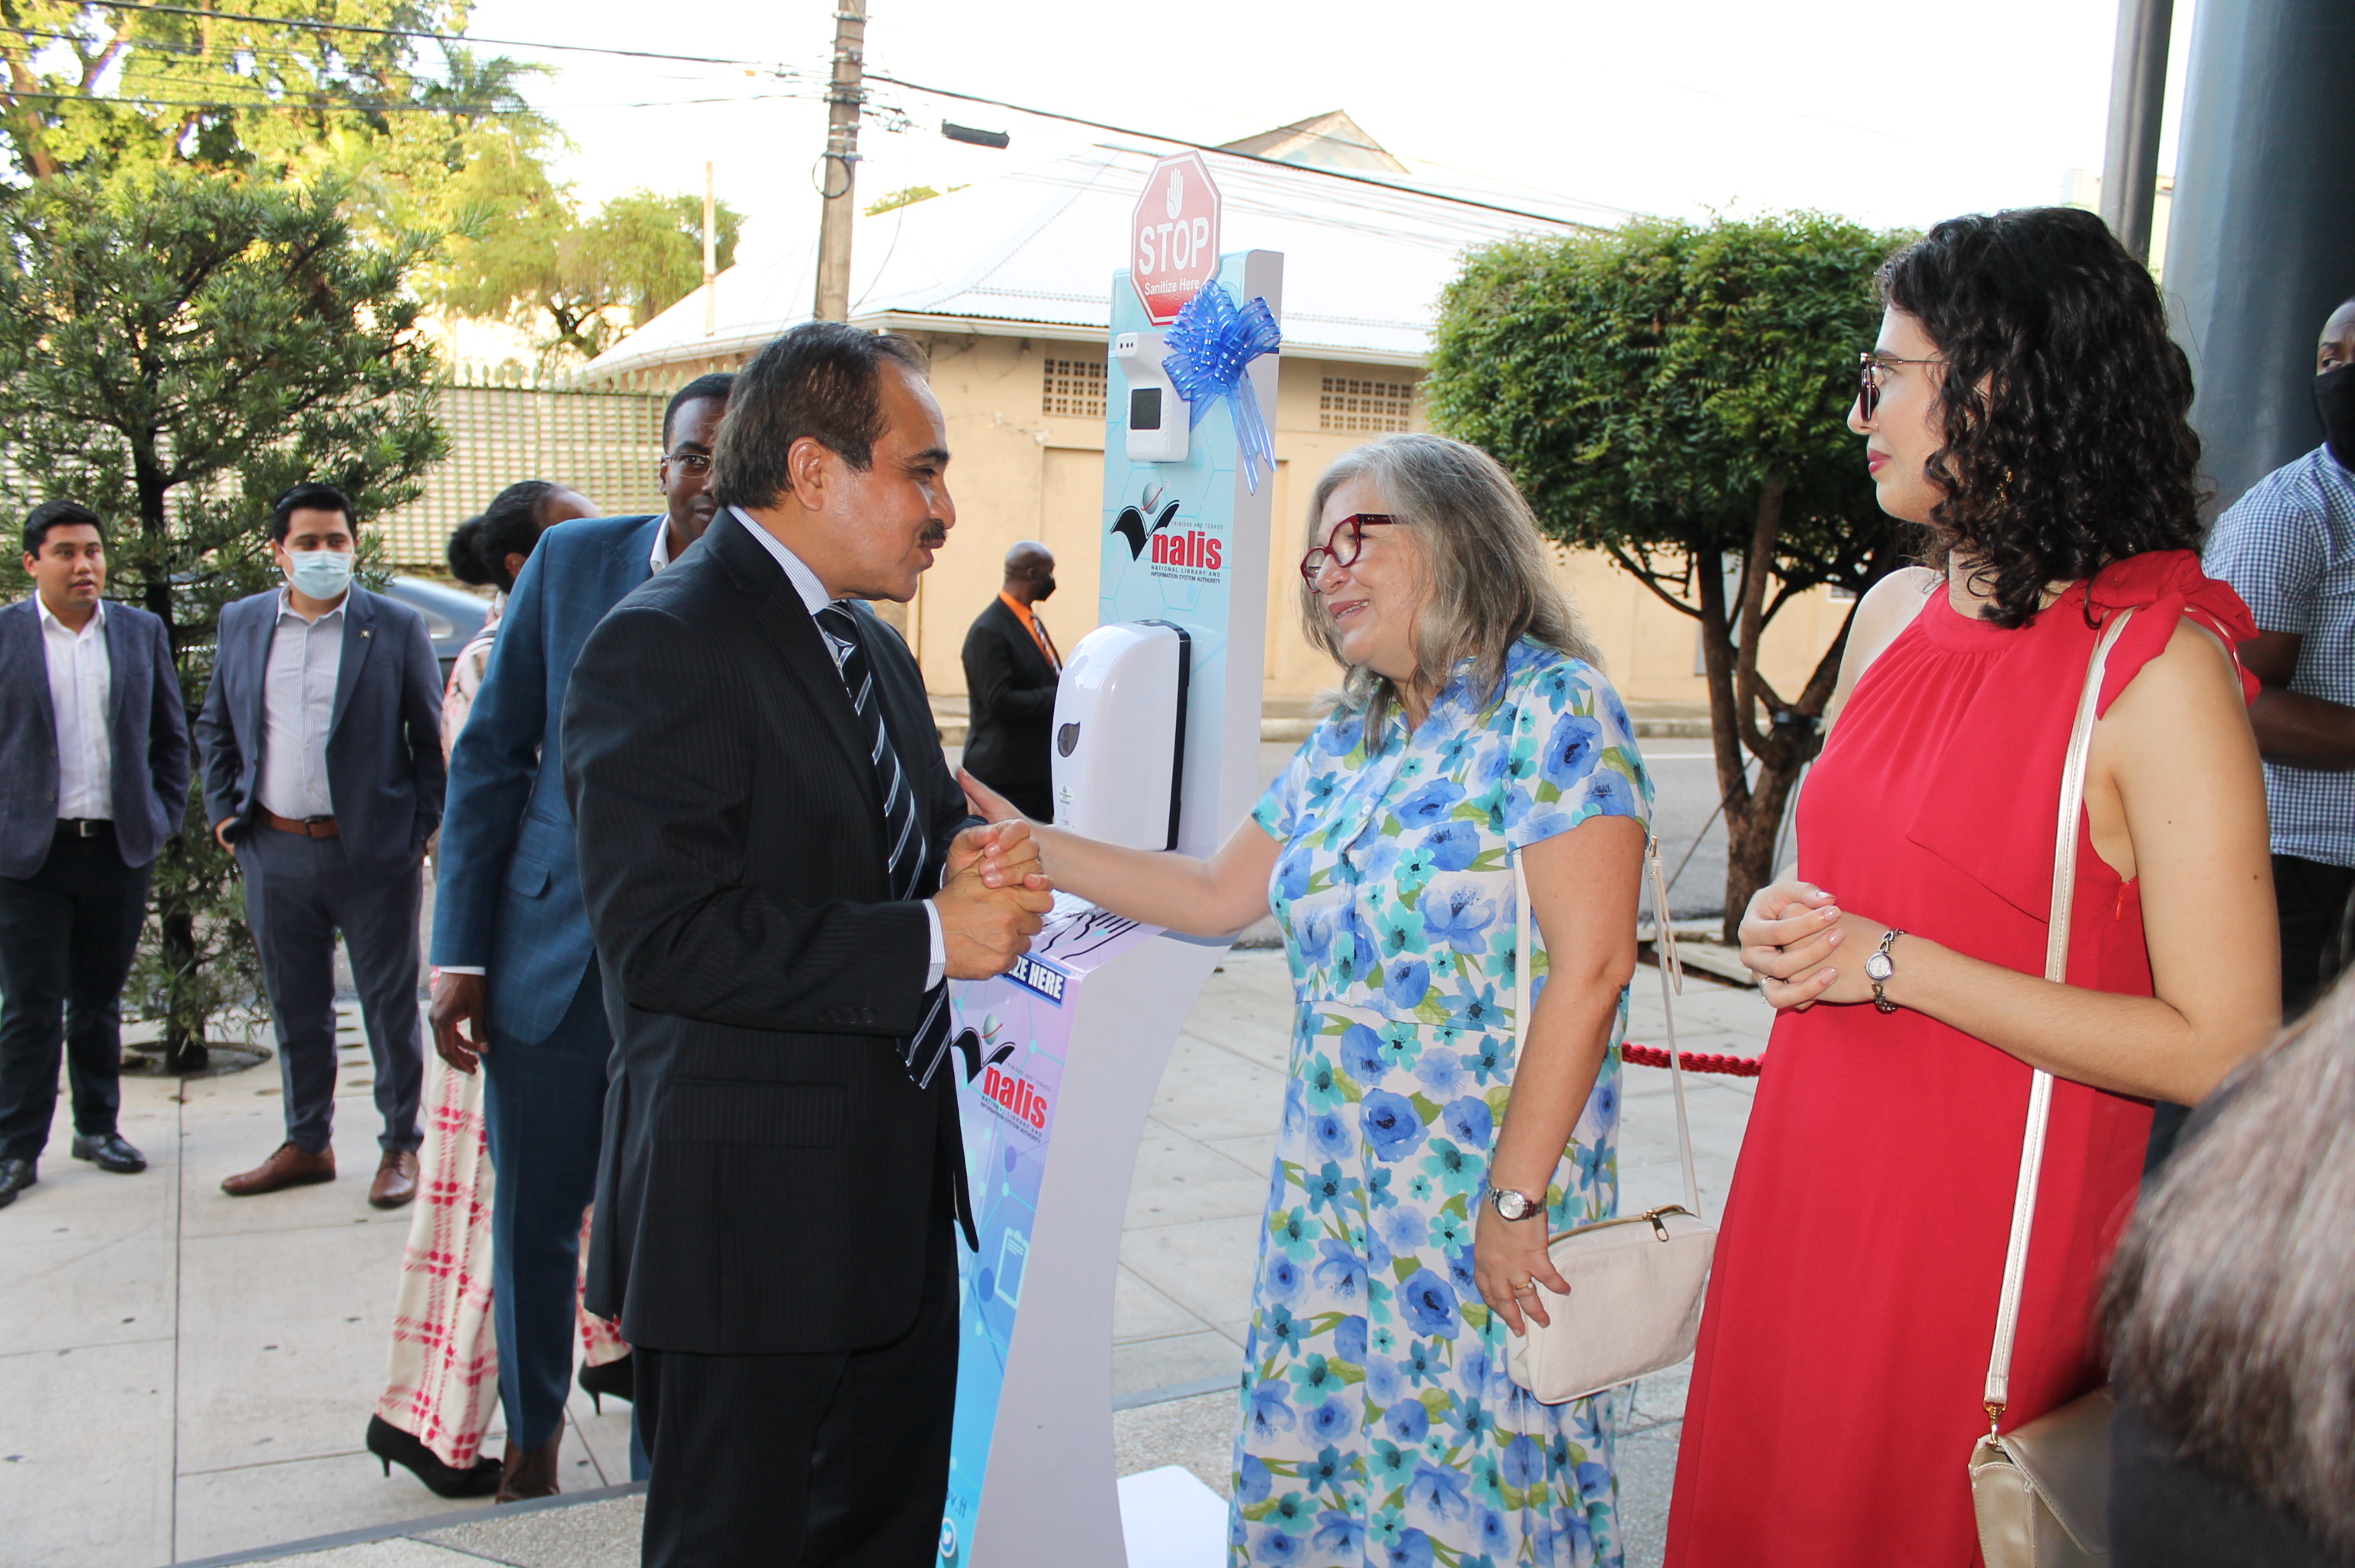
189, 1374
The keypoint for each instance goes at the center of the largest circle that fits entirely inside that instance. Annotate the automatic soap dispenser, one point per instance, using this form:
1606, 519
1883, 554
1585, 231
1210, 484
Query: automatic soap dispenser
1120, 734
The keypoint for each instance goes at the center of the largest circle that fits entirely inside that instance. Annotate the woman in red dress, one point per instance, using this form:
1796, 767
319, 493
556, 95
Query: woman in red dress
2025, 403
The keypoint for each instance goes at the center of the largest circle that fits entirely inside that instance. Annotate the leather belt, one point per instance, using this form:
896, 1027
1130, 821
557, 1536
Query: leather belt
83, 827
308, 826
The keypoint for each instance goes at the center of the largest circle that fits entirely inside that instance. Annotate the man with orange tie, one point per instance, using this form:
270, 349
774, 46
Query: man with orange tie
1010, 669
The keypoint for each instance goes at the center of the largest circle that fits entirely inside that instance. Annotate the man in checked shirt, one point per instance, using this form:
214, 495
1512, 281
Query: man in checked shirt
2288, 549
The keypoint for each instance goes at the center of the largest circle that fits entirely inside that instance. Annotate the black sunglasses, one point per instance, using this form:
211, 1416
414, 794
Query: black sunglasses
1871, 367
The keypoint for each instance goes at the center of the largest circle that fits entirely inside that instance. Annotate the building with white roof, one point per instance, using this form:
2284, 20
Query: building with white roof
1008, 282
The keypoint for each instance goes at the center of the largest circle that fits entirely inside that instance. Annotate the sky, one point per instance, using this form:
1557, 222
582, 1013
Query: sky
1895, 114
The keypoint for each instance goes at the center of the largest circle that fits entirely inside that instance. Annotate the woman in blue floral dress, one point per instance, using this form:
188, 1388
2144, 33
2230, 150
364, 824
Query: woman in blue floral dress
1420, 1166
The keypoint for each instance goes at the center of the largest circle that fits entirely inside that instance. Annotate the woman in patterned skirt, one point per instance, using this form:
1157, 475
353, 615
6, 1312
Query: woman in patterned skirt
1422, 1166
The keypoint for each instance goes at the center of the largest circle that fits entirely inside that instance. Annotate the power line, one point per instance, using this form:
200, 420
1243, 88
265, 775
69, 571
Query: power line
352, 105
161, 8
332, 104
1229, 151
167, 10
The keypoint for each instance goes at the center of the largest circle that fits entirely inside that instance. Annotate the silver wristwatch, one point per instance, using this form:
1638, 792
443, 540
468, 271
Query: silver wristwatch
1879, 969
1511, 1205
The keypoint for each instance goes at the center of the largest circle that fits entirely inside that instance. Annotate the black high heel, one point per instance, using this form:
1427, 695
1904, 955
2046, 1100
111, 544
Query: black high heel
389, 1444
617, 1377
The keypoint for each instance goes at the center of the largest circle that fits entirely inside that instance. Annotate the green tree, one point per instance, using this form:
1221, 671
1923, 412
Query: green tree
1675, 394
527, 257
177, 347
96, 88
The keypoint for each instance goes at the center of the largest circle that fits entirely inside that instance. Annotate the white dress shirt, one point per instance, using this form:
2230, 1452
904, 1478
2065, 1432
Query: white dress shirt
815, 598
81, 678
298, 707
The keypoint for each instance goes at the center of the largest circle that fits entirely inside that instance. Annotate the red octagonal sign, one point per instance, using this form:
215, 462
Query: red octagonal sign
1175, 236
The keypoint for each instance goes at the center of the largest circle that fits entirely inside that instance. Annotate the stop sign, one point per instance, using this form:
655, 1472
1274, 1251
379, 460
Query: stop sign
1175, 236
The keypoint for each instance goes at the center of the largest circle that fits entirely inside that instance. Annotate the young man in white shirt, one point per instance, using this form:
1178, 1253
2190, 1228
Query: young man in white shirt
95, 778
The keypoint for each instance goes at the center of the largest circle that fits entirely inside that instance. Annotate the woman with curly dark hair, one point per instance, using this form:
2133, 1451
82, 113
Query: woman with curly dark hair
2025, 405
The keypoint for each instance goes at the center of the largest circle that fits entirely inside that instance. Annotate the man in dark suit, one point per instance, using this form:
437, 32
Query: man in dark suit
322, 741
1011, 666
763, 810
512, 939
93, 778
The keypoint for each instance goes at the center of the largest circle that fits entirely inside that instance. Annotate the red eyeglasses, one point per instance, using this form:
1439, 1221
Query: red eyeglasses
1343, 545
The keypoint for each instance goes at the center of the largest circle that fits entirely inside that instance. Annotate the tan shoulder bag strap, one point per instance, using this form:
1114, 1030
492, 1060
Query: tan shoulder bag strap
2056, 970
1664, 949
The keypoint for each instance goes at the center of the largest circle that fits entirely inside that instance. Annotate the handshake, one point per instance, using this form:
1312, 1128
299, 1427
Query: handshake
992, 899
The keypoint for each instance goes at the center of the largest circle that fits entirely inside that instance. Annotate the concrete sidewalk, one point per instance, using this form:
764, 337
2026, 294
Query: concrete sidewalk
187, 1375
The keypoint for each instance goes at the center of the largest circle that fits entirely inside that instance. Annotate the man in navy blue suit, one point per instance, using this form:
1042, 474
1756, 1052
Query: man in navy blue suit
519, 989
93, 778
322, 742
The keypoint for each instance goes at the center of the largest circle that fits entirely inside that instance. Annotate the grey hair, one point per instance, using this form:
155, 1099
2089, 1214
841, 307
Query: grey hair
1480, 546
2231, 1306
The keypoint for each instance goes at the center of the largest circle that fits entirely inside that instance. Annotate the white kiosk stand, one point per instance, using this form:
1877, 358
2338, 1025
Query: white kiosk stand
1157, 725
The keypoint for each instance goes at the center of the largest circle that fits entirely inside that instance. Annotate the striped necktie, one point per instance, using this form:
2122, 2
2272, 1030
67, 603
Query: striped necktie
910, 852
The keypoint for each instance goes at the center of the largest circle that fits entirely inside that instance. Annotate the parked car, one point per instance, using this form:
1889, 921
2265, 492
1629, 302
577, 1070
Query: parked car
452, 614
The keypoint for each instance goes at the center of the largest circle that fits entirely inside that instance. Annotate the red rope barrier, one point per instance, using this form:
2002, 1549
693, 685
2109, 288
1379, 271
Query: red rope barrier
1694, 1061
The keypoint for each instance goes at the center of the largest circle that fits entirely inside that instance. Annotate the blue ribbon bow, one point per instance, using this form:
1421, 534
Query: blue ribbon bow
1211, 345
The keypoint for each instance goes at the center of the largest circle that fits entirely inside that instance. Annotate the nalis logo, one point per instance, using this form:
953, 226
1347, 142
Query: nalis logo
1186, 555
1195, 548
1011, 1094
980, 1048
1019, 1099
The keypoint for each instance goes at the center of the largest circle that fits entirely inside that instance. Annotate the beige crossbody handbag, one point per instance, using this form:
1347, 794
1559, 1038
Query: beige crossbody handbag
1636, 1281
2043, 1492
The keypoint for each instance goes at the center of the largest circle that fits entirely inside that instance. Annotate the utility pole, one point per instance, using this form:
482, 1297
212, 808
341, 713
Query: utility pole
2137, 98
710, 257
837, 169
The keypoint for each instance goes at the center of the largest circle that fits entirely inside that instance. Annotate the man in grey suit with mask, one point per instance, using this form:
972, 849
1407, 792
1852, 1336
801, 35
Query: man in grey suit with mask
322, 741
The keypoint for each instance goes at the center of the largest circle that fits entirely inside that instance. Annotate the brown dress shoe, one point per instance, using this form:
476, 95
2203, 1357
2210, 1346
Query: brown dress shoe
530, 1472
396, 1181
286, 1167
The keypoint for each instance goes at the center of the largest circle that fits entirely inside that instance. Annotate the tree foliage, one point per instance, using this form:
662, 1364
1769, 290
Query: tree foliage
526, 256
1675, 394
176, 347
418, 135
97, 89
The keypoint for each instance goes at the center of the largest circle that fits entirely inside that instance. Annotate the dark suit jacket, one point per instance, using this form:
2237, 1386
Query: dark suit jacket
383, 743
770, 1176
145, 727
1012, 689
507, 882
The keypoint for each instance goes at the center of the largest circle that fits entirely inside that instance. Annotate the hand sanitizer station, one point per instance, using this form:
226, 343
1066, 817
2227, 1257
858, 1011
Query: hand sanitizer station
1156, 737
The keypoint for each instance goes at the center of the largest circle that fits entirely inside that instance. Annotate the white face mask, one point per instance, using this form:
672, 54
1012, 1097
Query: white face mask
321, 573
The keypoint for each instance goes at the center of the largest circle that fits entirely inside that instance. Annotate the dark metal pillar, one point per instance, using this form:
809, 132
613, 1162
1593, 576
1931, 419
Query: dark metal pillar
2261, 239
2137, 99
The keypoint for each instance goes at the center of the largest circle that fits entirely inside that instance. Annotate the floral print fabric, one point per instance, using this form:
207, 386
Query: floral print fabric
1379, 1427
